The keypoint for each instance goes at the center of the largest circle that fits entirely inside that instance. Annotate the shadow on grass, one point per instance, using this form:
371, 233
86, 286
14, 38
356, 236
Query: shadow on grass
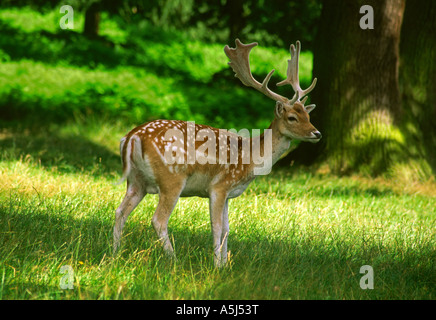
292, 185
351, 191
52, 150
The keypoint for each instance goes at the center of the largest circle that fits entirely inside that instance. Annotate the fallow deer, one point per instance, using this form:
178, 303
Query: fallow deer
193, 172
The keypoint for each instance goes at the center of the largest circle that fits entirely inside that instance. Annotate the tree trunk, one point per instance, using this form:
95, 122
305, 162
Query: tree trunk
418, 78
357, 94
92, 20
234, 9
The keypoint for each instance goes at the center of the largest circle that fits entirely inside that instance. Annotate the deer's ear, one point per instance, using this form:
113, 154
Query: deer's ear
310, 107
279, 109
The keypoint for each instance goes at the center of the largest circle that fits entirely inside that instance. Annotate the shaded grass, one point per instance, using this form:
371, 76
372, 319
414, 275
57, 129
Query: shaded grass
295, 234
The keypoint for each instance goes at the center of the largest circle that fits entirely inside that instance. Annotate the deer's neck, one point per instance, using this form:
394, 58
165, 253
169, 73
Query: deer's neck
268, 148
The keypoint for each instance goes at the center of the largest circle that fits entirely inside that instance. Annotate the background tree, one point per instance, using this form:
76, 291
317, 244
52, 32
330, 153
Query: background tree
358, 93
92, 19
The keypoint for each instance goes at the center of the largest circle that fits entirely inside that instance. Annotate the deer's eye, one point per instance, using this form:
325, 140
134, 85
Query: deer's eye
292, 119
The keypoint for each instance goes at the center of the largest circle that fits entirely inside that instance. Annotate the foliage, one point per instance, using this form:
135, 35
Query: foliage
273, 23
133, 73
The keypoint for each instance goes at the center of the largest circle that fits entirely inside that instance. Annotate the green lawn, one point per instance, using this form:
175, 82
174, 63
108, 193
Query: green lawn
295, 234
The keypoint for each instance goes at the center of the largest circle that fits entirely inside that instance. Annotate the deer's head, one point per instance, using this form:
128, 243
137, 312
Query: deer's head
292, 115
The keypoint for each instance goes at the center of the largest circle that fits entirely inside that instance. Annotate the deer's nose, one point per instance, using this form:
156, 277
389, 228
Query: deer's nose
317, 134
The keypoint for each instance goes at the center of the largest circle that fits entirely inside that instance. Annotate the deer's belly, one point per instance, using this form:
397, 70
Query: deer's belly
238, 190
197, 185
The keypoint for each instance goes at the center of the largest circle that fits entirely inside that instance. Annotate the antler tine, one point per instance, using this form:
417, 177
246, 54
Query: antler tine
293, 77
240, 63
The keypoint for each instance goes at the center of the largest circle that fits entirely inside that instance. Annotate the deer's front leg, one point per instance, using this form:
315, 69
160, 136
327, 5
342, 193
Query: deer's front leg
225, 232
168, 197
217, 203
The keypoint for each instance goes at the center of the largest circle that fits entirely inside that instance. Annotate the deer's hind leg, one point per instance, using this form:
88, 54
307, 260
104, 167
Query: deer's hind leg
134, 194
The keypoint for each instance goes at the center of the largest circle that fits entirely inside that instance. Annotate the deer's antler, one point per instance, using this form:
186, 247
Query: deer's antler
239, 61
292, 75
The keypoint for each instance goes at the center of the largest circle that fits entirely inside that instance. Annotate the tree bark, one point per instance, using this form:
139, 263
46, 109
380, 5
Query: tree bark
357, 94
418, 77
234, 9
92, 20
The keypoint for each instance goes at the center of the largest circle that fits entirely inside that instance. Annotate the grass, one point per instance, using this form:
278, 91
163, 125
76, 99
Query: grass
295, 234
